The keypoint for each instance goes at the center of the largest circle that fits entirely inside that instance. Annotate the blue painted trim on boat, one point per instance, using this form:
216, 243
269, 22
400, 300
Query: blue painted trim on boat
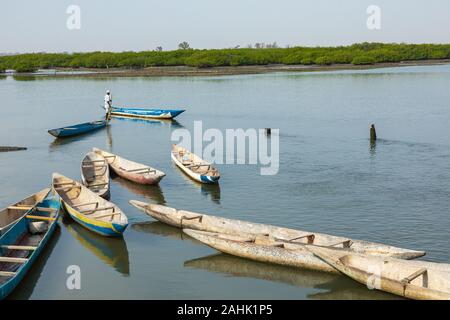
209, 179
77, 129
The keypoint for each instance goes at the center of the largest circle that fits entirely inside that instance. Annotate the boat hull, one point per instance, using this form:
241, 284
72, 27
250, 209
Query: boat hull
9, 217
195, 176
298, 258
78, 129
203, 222
146, 113
107, 229
16, 232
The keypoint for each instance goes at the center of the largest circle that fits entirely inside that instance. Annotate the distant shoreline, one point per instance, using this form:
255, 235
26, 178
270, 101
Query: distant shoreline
184, 71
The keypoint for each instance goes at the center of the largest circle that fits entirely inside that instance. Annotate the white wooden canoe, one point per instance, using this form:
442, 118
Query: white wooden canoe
12, 213
88, 209
260, 249
410, 279
203, 222
95, 174
193, 166
131, 170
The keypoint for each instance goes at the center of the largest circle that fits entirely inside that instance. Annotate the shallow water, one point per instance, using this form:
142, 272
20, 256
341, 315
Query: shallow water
330, 180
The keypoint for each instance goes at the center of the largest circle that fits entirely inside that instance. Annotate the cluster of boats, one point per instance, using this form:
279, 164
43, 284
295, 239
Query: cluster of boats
26, 226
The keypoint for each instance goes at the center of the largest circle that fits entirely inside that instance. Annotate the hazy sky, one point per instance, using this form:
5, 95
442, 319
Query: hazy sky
31, 26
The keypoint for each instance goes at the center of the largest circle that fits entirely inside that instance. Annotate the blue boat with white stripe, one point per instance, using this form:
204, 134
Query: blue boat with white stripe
145, 113
195, 167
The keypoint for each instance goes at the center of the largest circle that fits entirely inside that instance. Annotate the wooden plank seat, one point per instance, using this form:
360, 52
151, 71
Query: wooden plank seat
345, 244
40, 218
26, 208
91, 211
415, 275
7, 274
14, 247
13, 260
198, 165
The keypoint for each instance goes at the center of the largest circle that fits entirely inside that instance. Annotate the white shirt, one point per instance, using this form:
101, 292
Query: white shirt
108, 101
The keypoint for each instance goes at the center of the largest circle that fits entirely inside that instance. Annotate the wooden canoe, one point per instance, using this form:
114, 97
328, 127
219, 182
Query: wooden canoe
145, 113
77, 129
410, 279
195, 167
88, 209
261, 248
131, 170
95, 174
10, 215
203, 222
20, 248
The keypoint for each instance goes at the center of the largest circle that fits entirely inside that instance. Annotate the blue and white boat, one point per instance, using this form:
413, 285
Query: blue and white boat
145, 113
22, 244
78, 129
195, 167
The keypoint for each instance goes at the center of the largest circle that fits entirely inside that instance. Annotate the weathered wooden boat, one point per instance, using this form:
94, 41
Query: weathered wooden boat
195, 167
410, 279
203, 222
11, 214
22, 244
131, 170
95, 174
77, 129
261, 248
145, 113
88, 209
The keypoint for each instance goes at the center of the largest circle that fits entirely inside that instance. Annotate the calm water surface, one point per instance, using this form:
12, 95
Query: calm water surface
330, 179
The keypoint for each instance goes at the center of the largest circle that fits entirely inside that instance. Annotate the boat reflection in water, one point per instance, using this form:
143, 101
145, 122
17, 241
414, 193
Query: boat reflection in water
112, 251
26, 287
333, 286
152, 192
161, 229
172, 123
211, 191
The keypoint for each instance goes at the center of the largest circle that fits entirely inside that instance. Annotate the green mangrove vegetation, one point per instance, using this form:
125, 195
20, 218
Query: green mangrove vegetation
356, 54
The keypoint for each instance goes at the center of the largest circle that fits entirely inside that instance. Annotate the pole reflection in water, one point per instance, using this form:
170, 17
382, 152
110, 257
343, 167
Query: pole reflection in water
26, 287
334, 286
112, 251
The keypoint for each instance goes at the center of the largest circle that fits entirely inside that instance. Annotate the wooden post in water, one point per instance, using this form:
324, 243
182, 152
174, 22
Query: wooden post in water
6, 149
268, 131
373, 133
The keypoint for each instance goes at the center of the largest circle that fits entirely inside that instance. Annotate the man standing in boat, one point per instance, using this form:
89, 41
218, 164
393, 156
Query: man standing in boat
108, 104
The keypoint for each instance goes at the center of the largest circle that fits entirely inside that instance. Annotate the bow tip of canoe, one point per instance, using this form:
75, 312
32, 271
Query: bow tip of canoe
138, 204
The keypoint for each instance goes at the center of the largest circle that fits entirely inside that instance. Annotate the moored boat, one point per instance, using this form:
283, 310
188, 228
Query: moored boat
146, 113
88, 209
10, 215
22, 244
77, 129
262, 249
203, 222
410, 279
195, 167
95, 174
131, 170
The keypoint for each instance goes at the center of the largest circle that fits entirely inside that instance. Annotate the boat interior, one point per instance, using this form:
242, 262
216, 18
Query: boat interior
195, 164
86, 202
96, 173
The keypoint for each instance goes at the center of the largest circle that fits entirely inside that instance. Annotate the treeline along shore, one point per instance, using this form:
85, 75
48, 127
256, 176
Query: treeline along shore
232, 61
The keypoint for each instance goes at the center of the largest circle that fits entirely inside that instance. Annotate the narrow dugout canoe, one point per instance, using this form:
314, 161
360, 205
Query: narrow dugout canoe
88, 209
22, 244
95, 174
203, 222
263, 249
145, 113
410, 279
131, 170
77, 129
10, 215
195, 167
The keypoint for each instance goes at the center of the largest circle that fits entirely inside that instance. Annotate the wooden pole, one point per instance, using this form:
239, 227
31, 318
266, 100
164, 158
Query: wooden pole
268, 131
6, 149
373, 133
